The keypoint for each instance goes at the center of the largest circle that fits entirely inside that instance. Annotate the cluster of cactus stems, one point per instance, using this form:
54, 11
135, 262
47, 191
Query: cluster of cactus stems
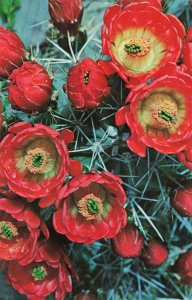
149, 182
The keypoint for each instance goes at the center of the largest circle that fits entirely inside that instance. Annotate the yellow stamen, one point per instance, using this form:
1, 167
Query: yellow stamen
36, 160
8, 230
86, 77
39, 273
90, 207
137, 47
160, 111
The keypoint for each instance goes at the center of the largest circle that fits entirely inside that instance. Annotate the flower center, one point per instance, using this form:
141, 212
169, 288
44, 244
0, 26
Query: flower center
133, 48
166, 116
8, 230
86, 77
138, 47
39, 273
36, 160
160, 111
90, 207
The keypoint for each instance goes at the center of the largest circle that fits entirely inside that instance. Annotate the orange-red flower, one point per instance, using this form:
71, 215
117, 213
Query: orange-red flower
47, 273
92, 208
128, 242
182, 201
184, 267
155, 253
66, 15
34, 159
19, 231
12, 52
87, 84
30, 87
139, 38
159, 113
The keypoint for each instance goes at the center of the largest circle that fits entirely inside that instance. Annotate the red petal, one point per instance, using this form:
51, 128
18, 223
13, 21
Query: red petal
31, 218
178, 25
120, 116
45, 202
107, 67
67, 135
189, 35
111, 13
75, 167
49, 253
136, 146
19, 126
45, 230
11, 206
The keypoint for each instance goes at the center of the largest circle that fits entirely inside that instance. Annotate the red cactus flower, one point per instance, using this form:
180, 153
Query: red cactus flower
154, 3
159, 113
87, 84
187, 51
92, 208
12, 52
47, 273
182, 202
19, 230
86, 296
186, 157
34, 160
66, 15
184, 267
30, 87
139, 38
155, 253
128, 242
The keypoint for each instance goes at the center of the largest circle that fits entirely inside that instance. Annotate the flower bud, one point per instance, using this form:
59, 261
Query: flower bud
29, 89
66, 15
184, 267
12, 52
182, 202
128, 242
86, 84
155, 253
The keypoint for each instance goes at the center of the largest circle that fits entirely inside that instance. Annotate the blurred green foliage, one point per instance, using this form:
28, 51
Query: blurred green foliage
7, 11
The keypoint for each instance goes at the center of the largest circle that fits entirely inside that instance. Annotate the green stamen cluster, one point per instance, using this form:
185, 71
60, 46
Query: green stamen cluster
133, 48
39, 273
6, 231
38, 159
166, 116
93, 206
86, 77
